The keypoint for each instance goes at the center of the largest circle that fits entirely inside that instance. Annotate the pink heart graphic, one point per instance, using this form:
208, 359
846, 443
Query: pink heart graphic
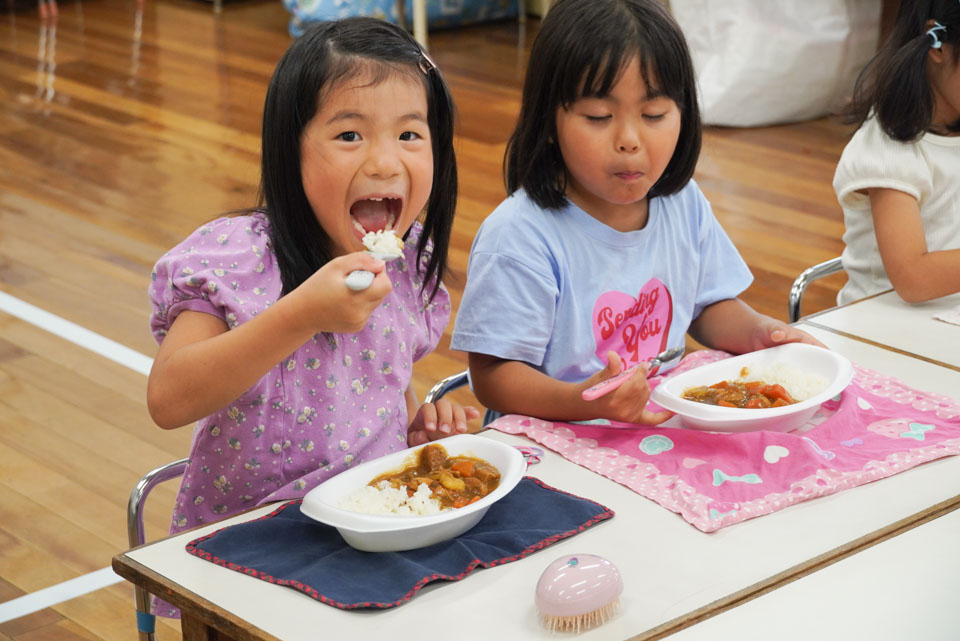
691, 463
636, 328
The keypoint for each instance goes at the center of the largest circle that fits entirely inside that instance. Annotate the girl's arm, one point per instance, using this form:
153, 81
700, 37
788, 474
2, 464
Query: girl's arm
916, 274
513, 387
733, 326
201, 367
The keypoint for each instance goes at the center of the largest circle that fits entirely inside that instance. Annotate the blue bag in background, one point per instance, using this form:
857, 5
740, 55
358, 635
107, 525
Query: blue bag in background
441, 14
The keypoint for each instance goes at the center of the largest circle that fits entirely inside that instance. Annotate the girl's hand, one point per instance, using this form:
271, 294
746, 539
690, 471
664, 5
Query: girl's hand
771, 332
328, 305
628, 402
438, 420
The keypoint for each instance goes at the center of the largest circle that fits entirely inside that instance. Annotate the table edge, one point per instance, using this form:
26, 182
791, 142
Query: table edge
872, 343
188, 601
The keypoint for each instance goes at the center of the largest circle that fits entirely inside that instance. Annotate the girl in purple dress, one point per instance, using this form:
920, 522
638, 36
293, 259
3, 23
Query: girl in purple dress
290, 375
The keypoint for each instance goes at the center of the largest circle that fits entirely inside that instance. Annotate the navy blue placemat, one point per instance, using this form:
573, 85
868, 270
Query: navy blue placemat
288, 548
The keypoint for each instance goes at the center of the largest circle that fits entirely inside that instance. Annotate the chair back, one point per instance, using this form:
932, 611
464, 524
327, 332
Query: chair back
809, 275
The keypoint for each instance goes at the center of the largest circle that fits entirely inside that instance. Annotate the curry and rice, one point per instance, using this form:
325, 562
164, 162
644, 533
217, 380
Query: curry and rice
432, 482
777, 386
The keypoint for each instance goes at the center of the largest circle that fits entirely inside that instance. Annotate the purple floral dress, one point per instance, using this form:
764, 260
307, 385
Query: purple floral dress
335, 402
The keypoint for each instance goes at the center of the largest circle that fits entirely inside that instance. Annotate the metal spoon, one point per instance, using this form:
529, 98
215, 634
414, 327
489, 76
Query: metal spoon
360, 279
612, 383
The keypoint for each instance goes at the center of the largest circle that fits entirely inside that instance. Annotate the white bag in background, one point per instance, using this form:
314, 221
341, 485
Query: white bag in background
762, 62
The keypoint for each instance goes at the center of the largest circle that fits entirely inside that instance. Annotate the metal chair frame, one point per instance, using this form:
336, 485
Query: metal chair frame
809, 275
146, 622
448, 384
452, 382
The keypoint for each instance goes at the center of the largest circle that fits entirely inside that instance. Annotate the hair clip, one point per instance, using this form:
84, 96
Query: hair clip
933, 34
426, 63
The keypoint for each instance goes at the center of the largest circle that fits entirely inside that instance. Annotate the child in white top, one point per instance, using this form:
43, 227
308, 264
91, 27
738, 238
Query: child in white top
898, 179
606, 252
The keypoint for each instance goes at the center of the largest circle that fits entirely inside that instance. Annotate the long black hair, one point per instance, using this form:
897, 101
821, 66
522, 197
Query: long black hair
580, 51
326, 54
894, 83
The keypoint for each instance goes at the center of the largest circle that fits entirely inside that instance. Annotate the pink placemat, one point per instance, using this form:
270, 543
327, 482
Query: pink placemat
878, 426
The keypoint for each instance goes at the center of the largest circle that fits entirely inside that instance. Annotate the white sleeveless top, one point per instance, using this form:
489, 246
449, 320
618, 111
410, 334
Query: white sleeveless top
927, 169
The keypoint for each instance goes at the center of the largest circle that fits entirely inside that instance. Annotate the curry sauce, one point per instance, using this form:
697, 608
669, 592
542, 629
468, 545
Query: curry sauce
454, 481
746, 395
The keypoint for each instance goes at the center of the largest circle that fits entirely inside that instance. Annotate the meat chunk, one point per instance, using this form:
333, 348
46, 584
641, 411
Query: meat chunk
486, 475
432, 458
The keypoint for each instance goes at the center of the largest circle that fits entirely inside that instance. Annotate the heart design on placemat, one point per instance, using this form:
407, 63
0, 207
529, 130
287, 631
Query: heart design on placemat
774, 453
655, 444
636, 328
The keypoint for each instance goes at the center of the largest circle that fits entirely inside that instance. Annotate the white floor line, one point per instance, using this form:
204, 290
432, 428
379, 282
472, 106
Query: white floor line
75, 334
113, 351
47, 597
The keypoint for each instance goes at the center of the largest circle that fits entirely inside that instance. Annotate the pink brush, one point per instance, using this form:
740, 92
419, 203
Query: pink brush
607, 386
577, 592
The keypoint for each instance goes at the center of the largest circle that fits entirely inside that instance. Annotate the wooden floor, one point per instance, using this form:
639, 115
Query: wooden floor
125, 125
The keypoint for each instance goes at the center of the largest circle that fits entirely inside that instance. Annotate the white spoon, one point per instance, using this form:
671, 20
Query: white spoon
360, 279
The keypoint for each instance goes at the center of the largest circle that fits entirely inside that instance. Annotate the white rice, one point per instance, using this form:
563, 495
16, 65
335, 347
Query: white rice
383, 241
798, 384
385, 499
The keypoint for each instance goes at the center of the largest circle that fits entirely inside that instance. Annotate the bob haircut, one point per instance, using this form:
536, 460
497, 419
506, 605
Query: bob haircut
894, 83
580, 51
325, 56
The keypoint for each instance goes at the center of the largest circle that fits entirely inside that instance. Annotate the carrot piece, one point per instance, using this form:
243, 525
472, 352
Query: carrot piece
722, 403
459, 502
780, 403
754, 403
776, 391
464, 468
474, 499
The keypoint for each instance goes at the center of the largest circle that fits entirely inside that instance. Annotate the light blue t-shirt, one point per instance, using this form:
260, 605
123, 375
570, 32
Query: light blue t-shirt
558, 289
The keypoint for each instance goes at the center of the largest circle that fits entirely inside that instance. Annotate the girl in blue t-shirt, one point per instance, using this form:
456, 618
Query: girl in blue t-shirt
606, 252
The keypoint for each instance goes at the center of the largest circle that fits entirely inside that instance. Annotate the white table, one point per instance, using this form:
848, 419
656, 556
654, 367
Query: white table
903, 588
673, 573
888, 321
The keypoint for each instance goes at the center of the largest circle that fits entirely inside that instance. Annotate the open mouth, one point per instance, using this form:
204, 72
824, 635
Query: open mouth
375, 213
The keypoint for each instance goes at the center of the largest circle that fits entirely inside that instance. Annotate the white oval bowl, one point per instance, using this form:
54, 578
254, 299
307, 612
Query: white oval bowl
394, 533
809, 359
